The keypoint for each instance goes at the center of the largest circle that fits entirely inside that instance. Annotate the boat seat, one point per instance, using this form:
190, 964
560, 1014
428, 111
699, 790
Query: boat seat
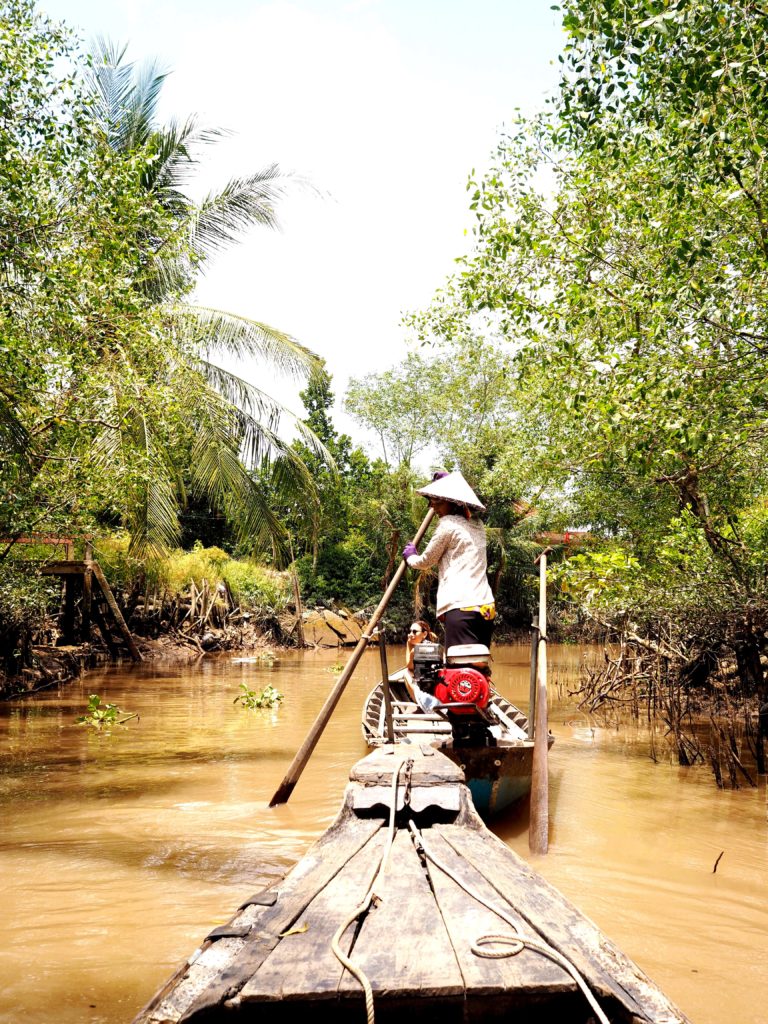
399, 691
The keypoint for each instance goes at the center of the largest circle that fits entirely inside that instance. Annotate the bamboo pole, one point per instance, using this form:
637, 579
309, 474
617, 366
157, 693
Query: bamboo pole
385, 687
288, 784
535, 633
538, 829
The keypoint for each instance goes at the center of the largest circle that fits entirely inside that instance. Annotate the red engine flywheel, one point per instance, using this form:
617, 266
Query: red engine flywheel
463, 686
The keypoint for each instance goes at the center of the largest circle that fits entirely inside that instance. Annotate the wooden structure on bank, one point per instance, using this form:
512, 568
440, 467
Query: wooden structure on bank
392, 915
87, 592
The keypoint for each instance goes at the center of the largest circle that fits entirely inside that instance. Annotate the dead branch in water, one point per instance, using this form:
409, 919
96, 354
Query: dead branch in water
705, 722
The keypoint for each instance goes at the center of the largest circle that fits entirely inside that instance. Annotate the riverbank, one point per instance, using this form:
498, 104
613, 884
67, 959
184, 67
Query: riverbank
58, 665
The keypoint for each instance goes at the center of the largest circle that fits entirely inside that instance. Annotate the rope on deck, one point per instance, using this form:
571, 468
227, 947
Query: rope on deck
515, 942
371, 894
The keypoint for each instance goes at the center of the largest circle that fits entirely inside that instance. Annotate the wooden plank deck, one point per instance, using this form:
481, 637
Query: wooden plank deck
415, 941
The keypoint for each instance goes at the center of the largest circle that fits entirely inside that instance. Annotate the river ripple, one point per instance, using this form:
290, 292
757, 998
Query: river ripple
119, 853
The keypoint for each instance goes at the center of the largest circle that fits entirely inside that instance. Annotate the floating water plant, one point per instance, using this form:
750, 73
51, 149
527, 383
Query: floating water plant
103, 716
268, 698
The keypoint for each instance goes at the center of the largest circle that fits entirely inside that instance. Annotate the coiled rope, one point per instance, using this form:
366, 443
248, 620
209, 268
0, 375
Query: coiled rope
517, 941
371, 894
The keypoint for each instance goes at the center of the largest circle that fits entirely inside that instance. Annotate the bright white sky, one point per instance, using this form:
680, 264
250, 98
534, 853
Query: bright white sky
384, 105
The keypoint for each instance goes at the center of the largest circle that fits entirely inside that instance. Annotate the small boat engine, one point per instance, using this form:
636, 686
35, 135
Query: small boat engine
462, 684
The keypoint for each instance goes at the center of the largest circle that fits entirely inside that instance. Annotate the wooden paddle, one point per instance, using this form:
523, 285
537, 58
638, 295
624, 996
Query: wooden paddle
286, 787
538, 828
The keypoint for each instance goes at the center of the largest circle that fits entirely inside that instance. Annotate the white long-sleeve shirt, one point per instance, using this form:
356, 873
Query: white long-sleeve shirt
457, 549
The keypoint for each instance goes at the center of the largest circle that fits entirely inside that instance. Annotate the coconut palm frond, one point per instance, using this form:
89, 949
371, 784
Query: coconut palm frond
215, 466
173, 161
125, 100
143, 102
112, 83
165, 276
153, 522
261, 447
105, 449
243, 202
219, 473
14, 437
311, 441
239, 393
235, 428
259, 527
215, 331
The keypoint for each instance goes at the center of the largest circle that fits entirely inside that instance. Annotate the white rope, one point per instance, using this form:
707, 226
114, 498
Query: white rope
367, 899
516, 941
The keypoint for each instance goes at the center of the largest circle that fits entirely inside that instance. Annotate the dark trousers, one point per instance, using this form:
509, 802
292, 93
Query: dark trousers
466, 628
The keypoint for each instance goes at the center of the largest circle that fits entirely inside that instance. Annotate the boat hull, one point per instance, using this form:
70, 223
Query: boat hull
408, 832
497, 776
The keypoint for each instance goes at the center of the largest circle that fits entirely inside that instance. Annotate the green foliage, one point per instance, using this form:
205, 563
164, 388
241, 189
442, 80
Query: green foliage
599, 580
255, 586
26, 599
252, 585
103, 717
621, 252
112, 405
268, 698
122, 568
349, 573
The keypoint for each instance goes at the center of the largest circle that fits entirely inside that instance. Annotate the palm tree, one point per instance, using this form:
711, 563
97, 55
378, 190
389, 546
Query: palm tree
234, 427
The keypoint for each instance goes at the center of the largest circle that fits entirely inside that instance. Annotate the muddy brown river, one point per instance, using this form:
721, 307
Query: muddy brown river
120, 852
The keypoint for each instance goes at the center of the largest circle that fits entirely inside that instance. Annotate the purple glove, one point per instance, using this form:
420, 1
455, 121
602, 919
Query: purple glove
408, 550
439, 475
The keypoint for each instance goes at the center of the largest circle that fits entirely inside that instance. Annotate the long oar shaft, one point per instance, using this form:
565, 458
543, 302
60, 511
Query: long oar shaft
286, 787
538, 828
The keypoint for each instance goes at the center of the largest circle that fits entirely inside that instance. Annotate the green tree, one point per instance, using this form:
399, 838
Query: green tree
230, 426
70, 310
620, 247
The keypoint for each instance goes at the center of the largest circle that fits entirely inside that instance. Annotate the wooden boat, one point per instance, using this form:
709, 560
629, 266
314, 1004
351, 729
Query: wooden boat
497, 775
412, 891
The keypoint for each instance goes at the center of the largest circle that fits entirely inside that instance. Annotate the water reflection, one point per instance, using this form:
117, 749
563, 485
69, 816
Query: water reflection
120, 852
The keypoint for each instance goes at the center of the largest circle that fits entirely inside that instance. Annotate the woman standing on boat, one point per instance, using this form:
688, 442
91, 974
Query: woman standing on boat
465, 602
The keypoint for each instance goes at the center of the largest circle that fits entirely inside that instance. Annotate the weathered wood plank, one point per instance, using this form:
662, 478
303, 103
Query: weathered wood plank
192, 1001
116, 613
604, 967
66, 568
430, 767
403, 946
466, 920
85, 611
304, 964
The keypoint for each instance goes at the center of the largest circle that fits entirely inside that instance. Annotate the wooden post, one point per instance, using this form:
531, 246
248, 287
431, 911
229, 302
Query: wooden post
538, 829
288, 784
299, 609
85, 612
68, 618
385, 687
535, 632
116, 613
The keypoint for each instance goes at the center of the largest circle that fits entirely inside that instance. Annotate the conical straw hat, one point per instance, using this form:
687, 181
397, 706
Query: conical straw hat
452, 487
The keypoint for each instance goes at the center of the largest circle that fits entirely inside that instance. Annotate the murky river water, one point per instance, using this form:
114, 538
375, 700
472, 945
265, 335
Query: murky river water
119, 853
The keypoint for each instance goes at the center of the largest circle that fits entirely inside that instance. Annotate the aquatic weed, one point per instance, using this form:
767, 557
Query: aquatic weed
103, 716
268, 698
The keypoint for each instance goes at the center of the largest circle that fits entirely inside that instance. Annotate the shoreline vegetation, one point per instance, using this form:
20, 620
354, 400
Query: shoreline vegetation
203, 602
595, 367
